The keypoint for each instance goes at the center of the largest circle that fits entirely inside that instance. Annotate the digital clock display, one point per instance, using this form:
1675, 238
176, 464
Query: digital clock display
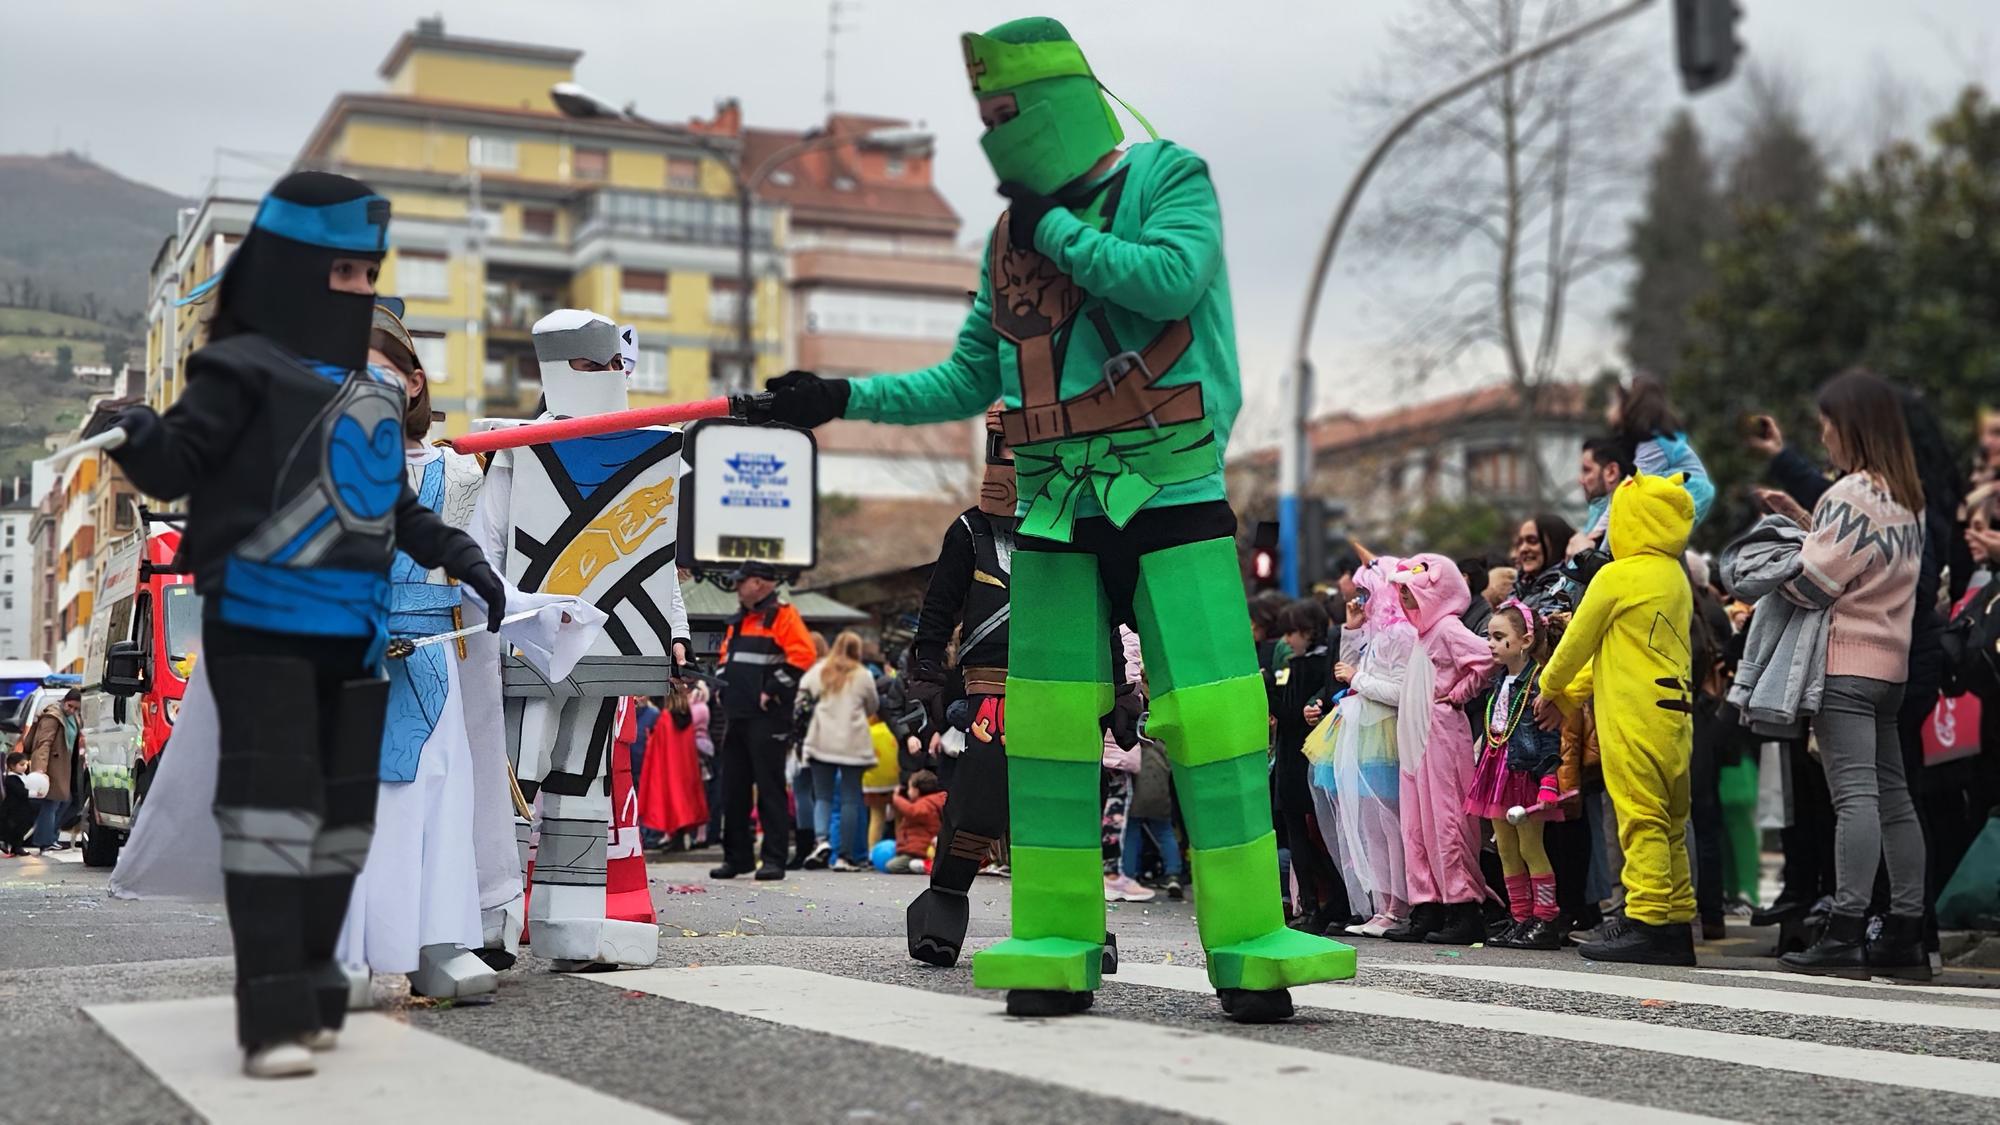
750, 547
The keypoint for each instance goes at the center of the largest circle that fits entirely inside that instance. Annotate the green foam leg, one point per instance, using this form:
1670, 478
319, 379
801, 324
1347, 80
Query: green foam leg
1280, 959
1058, 627
1236, 890
1193, 622
1054, 805
1059, 892
1225, 803
1211, 722
1056, 720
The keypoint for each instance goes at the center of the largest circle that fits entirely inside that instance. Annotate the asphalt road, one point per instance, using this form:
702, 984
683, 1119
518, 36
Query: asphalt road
794, 1002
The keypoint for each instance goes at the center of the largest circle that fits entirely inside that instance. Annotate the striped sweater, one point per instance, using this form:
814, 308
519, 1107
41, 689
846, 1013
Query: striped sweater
1861, 561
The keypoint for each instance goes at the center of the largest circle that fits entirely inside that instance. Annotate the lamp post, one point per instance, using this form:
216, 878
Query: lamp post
575, 101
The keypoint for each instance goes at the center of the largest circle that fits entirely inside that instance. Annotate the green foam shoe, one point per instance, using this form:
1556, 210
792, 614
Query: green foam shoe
1049, 964
1280, 959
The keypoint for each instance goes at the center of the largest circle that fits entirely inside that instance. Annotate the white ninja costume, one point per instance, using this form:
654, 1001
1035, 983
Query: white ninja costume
592, 517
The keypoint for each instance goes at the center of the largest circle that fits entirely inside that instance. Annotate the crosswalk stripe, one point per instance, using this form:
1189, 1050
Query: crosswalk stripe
1989, 994
383, 1070
1957, 1076
1903, 1012
1222, 1077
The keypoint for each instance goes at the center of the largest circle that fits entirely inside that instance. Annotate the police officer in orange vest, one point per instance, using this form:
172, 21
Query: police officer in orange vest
764, 653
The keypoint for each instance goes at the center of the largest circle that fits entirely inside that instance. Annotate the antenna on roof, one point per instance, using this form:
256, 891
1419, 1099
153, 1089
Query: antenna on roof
834, 8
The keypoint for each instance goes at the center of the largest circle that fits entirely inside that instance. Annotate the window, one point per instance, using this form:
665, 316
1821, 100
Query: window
1494, 471
422, 273
642, 292
843, 183
7, 603
683, 172
726, 371
897, 316
894, 168
431, 357
493, 152
488, 220
651, 374
590, 163
538, 222
722, 300
783, 177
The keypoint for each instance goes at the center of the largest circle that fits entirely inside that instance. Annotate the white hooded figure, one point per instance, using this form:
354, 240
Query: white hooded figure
592, 517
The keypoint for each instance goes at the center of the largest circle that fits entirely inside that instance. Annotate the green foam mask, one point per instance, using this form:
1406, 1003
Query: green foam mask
1062, 123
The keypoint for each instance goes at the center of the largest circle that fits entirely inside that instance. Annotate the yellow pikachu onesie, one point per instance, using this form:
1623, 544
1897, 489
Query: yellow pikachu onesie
1627, 646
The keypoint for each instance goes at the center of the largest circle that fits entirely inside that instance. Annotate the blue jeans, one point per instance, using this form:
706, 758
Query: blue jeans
829, 780
1161, 830
48, 816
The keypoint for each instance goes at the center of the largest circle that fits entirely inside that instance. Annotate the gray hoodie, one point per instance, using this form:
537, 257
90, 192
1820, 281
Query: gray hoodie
1782, 675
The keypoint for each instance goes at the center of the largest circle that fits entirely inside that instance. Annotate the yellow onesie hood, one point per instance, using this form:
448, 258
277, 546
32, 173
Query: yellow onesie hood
1650, 515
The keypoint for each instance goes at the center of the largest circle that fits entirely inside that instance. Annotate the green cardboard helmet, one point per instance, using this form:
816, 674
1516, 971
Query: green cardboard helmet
1062, 124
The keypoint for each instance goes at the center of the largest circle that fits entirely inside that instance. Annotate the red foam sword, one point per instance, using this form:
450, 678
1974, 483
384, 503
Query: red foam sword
752, 407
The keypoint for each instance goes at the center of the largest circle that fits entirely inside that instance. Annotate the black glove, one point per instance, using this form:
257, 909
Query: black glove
803, 399
137, 421
490, 589
1025, 208
926, 686
1123, 721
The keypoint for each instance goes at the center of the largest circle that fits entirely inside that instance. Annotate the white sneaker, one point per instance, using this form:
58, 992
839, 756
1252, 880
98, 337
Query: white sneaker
1119, 888
842, 865
325, 1039
1373, 927
278, 1060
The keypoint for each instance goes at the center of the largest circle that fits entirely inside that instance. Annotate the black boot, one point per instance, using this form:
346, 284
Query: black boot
1244, 1005
935, 924
1541, 933
1633, 942
1464, 924
1425, 917
1899, 951
1042, 1002
1838, 952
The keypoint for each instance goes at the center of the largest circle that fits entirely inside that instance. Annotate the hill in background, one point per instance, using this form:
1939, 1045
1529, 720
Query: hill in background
78, 238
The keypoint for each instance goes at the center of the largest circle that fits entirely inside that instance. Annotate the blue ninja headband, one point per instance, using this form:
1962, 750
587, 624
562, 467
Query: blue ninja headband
360, 225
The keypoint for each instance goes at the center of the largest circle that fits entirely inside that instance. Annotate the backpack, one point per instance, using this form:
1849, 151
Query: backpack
1971, 644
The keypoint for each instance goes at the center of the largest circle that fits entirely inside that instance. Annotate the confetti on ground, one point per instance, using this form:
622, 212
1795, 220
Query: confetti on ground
1656, 1003
690, 933
687, 889
752, 921
1170, 958
1451, 953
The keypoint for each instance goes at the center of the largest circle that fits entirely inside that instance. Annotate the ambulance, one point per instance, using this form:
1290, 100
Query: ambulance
145, 631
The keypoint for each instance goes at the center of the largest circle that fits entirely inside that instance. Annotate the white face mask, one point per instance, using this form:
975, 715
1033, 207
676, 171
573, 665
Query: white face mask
578, 394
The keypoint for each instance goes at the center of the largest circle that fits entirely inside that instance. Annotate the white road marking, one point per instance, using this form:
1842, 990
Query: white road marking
1222, 1077
1924, 1072
1988, 994
1903, 1012
383, 1070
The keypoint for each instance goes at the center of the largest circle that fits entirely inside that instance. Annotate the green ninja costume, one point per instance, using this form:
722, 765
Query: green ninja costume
1105, 331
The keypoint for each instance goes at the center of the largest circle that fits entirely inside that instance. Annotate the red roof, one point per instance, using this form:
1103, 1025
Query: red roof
847, 182
1335, 432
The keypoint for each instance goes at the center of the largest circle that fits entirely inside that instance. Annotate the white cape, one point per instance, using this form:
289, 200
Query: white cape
175, 850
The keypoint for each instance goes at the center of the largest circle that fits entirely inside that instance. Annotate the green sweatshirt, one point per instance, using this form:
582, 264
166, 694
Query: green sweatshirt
1145, 254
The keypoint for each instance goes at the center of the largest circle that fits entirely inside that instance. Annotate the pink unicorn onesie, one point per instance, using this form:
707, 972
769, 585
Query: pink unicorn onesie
1440, 842
1362, 822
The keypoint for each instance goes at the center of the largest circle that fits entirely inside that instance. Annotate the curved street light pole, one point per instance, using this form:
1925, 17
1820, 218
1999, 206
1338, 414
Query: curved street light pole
1296, 465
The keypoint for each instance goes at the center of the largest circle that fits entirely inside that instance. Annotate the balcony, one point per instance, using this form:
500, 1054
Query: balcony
939, 273
697, 219
515, 301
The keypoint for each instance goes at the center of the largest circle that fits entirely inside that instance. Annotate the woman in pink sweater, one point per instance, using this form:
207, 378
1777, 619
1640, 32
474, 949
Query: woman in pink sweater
1860, 562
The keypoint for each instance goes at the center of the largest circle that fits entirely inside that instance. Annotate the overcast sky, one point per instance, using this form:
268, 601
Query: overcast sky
156, 90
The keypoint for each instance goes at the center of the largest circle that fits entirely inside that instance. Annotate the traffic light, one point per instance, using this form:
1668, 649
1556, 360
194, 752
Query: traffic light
1264, 555
1705, 35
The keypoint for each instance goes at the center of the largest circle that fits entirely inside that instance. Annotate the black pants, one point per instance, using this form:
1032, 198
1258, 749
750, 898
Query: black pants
753, 757
1319, 879
1705, 778
301, 745
1808, 838
1569, 844
975, 813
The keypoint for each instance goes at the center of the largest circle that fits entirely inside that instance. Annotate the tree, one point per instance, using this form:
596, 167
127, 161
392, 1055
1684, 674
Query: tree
1897, 268
1511, 186
1776, 161
1669, 243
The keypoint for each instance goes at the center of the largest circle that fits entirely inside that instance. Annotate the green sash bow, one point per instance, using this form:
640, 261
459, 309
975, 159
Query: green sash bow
1123, 471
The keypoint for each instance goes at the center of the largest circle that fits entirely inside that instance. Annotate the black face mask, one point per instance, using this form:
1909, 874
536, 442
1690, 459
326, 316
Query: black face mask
279, 286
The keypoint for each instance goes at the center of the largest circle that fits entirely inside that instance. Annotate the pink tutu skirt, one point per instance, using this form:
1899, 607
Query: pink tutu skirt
1495, 789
